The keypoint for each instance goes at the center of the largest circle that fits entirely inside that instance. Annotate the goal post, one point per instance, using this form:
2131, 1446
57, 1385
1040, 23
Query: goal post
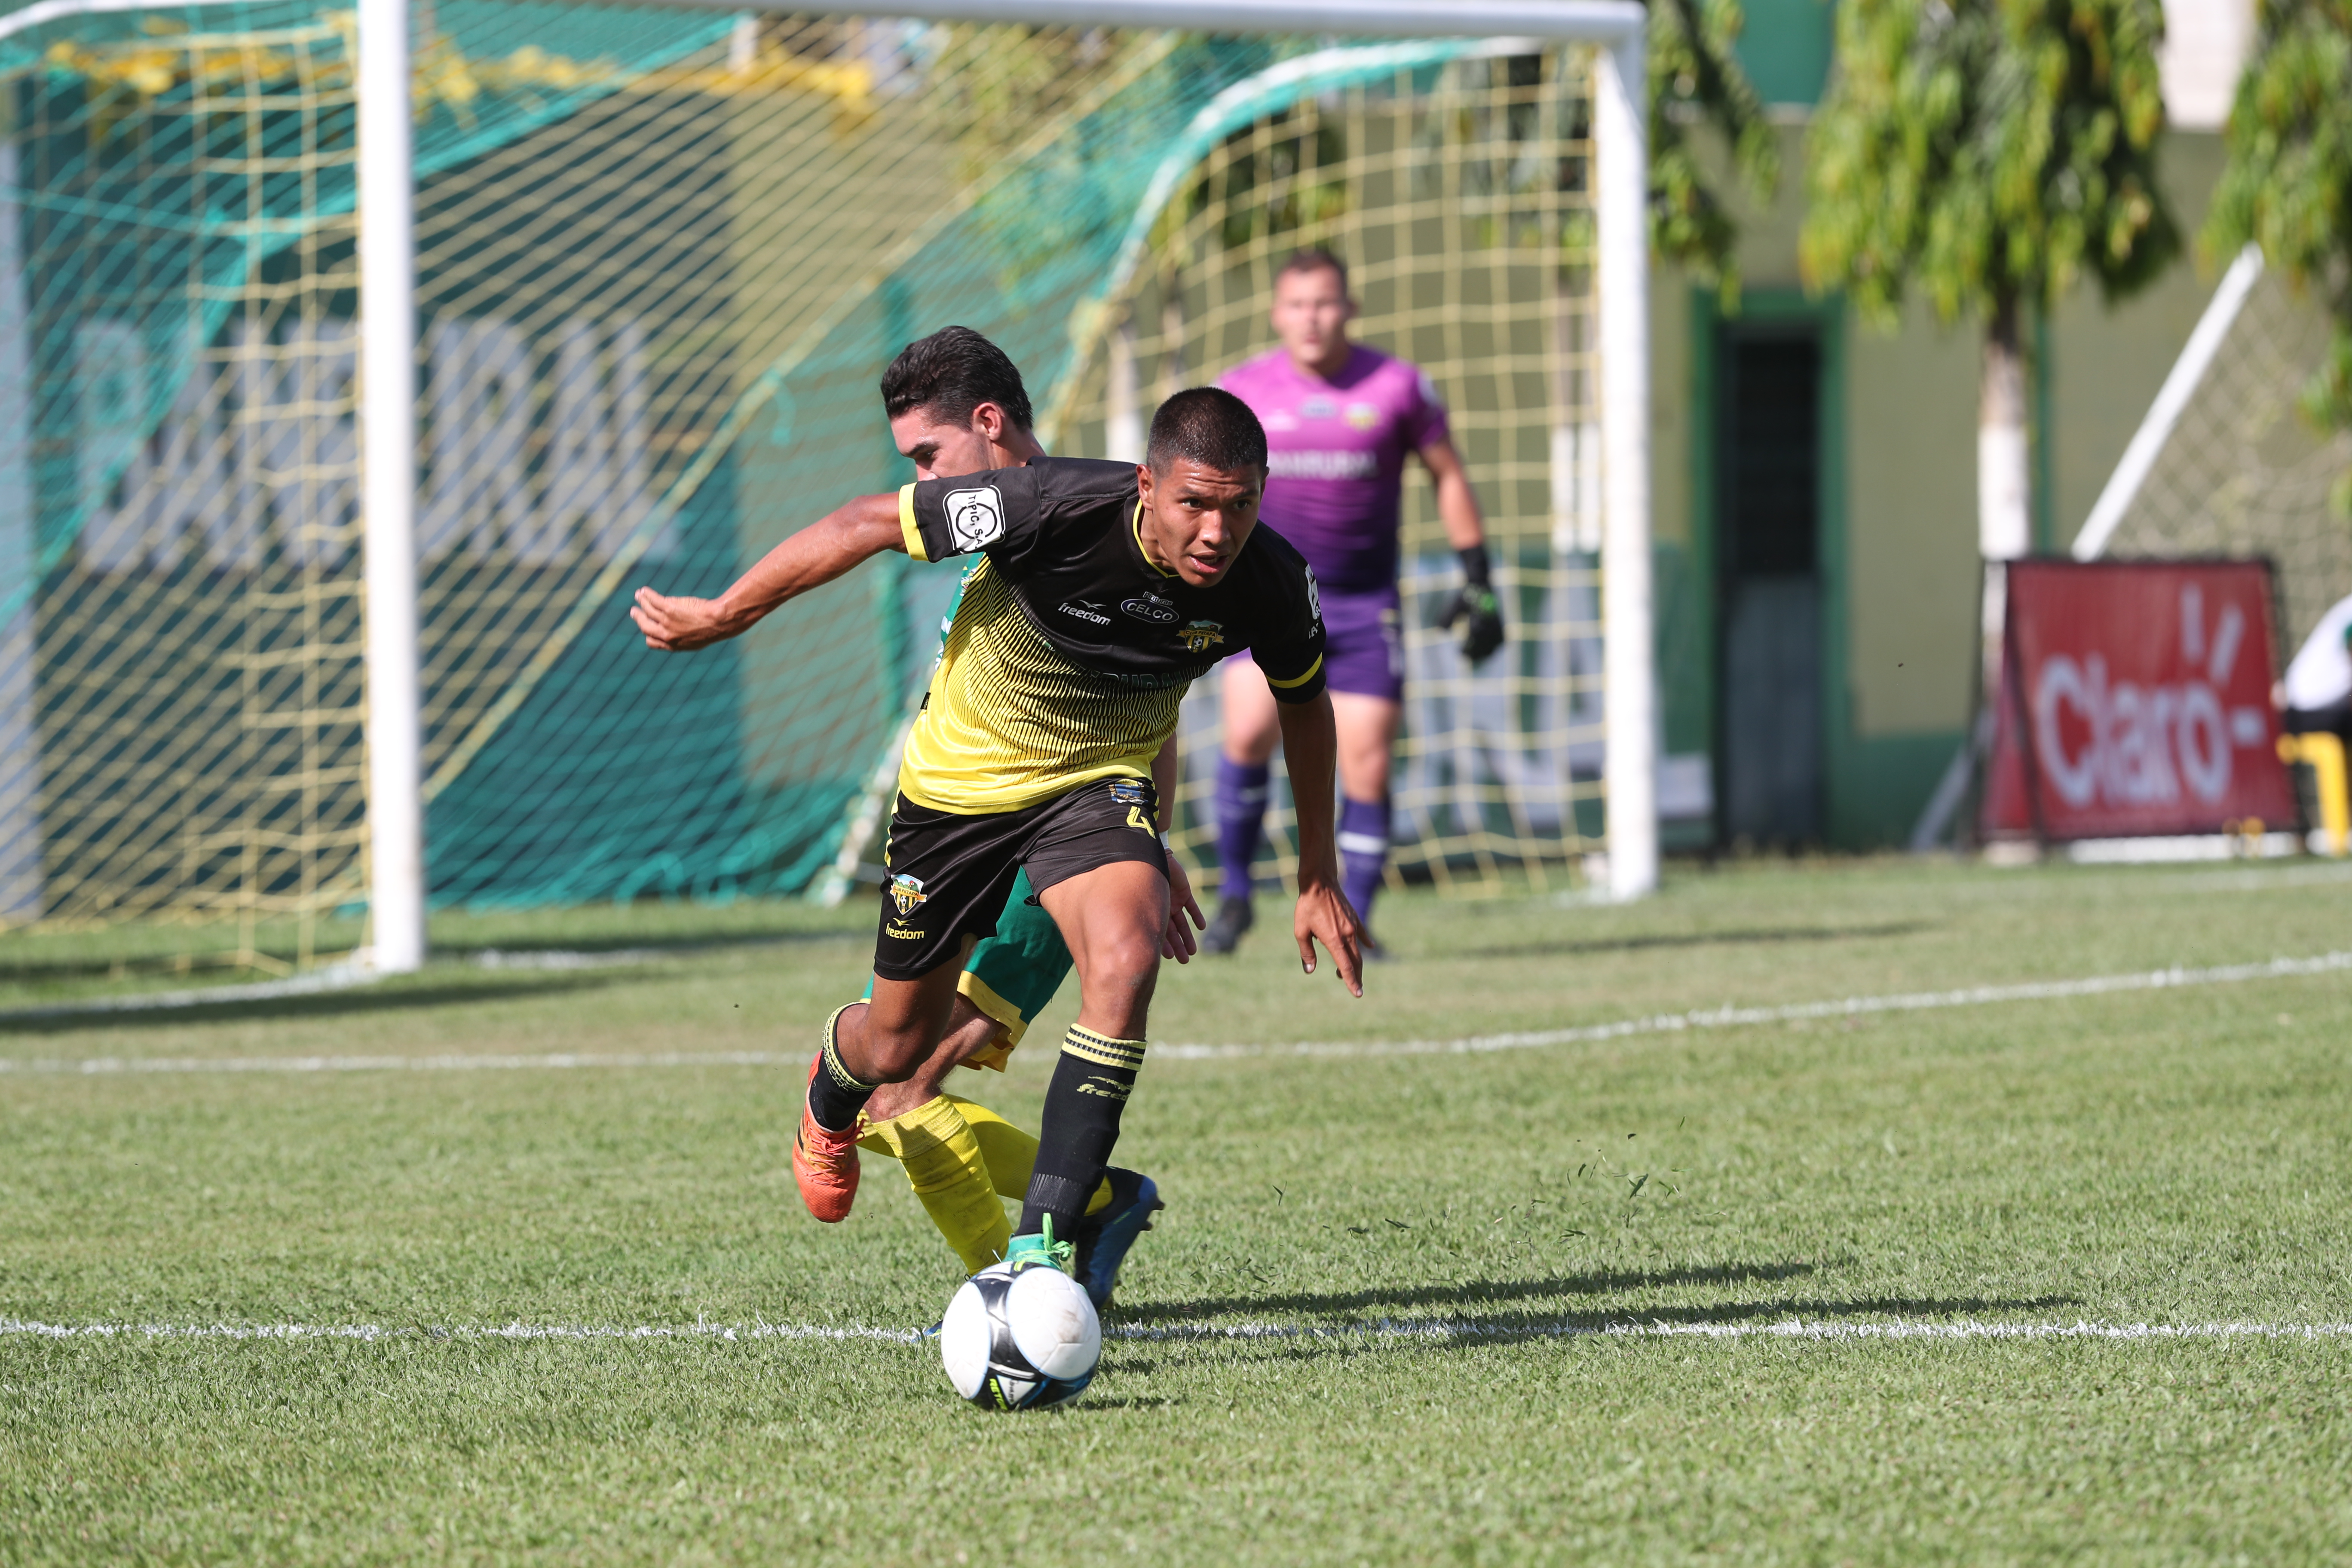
646, 260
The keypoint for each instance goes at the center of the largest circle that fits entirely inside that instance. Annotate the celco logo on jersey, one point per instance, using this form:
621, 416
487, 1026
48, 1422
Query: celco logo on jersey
907, 893
1201, 636
1150, 606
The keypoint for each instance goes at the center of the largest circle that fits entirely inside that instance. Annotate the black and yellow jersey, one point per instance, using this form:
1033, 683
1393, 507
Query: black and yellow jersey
1071, 649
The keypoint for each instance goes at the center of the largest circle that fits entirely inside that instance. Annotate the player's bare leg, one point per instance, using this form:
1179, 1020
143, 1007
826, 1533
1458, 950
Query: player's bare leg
886, 1041
970, 1032
1114, 918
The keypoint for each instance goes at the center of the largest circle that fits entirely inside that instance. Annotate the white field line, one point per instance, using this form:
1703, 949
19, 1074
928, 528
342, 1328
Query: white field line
1940, 1330
1658, 1023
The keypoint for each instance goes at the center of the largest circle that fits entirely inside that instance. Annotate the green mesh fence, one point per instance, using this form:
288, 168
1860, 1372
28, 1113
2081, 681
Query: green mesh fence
663, 257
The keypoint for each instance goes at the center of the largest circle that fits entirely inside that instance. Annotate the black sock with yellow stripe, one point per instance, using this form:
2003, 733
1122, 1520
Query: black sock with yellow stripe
1091, 1083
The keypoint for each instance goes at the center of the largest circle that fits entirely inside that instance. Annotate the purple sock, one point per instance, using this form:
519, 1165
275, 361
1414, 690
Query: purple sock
1241, 821
1364, 851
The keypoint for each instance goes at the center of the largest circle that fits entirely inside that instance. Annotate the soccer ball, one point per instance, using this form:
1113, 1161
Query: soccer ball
1020, 1336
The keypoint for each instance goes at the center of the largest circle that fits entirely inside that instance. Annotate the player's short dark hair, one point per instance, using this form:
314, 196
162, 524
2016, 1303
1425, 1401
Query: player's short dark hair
952, 373
1314, 259
1208, 425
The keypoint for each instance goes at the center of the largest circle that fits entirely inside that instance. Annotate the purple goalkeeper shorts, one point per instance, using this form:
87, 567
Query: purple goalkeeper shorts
1363, 648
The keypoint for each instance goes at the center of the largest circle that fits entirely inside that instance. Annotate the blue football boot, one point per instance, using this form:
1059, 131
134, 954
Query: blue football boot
1104, 1239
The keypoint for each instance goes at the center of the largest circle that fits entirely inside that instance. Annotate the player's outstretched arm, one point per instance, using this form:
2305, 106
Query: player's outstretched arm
808, 558
1310, 748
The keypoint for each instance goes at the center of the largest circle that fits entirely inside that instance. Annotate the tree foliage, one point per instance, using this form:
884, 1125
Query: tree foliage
1696, 79
2288, 183
1988, 153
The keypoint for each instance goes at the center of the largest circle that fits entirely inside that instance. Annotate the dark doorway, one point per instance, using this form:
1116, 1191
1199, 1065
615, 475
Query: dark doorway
1767, 544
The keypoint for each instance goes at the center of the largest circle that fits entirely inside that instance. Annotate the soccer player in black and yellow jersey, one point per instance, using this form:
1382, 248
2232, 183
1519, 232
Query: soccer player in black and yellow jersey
957, 405
1107, 588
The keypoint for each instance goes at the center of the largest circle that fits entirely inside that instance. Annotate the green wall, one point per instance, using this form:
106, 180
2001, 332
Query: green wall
1900, 554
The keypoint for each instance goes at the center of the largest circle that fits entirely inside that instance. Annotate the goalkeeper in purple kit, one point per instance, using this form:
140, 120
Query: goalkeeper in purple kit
1341, 419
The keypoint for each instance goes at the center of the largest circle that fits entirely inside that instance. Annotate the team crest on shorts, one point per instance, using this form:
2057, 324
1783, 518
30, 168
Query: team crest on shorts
1201, 636
1126, 792
907, 893
976, 518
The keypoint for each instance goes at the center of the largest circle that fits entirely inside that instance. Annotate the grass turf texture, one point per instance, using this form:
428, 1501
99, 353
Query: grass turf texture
2168, 1156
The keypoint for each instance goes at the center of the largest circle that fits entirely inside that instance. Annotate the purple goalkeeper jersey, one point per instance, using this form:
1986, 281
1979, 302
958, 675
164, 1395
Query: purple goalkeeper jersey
1336, 449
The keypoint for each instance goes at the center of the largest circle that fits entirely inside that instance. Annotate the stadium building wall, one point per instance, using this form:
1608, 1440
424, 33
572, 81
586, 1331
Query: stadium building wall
1898, 563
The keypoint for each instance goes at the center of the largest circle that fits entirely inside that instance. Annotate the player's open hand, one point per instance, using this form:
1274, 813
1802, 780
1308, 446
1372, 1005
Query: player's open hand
1325, 915
1178, 940
681, 624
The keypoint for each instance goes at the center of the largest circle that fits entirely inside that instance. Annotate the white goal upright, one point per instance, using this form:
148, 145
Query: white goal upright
354, 371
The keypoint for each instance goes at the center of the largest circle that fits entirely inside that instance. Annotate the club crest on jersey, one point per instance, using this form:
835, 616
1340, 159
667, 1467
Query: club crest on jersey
1362, 416
1150, 606
1201, 636
975, 517
907, 893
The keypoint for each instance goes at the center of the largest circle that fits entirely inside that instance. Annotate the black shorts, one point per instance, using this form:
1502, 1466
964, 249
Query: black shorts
951, 874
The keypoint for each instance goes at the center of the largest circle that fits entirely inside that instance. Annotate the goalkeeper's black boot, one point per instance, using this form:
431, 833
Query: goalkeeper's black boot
1234, 917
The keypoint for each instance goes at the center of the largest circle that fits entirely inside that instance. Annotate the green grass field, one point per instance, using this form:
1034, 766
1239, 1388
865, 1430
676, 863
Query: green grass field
2174, 1157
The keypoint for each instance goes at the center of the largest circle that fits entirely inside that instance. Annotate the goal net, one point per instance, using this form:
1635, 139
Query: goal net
662, 257
2240, 472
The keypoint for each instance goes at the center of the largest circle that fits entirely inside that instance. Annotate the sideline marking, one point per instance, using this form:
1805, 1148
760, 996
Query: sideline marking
1384, 1329
1658, 1023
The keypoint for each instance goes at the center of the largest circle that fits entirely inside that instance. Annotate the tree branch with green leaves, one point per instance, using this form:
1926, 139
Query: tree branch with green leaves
2288, 186
1988, 154
1696, 79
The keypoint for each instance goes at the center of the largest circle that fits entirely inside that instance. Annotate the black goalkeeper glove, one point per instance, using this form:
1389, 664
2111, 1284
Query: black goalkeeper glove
1475, 601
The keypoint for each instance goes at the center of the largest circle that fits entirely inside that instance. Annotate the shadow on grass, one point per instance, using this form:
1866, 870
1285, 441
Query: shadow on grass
1592, 945
1455, 1331
24, 970
356, 1002
1477, 1292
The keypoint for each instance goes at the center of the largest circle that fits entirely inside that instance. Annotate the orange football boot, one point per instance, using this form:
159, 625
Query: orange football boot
824, 1164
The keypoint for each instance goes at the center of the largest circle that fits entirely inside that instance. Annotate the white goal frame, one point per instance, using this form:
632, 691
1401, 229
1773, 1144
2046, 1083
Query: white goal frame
387, 414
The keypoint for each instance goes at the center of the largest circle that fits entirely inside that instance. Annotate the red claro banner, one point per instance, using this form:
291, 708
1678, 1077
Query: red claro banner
2137, 702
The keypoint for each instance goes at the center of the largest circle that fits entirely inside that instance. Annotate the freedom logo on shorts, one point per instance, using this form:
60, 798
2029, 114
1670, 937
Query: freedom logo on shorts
907, 893
975, 517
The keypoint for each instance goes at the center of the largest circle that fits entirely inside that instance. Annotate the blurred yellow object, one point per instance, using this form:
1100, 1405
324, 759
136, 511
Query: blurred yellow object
2324, 753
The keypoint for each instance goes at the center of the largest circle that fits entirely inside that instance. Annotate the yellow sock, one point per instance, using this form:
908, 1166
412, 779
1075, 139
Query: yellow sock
1012, 1153
943, 1163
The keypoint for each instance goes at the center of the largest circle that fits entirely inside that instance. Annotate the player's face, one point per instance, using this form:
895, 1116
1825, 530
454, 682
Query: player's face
1196, 519
1311, 312
945, 451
